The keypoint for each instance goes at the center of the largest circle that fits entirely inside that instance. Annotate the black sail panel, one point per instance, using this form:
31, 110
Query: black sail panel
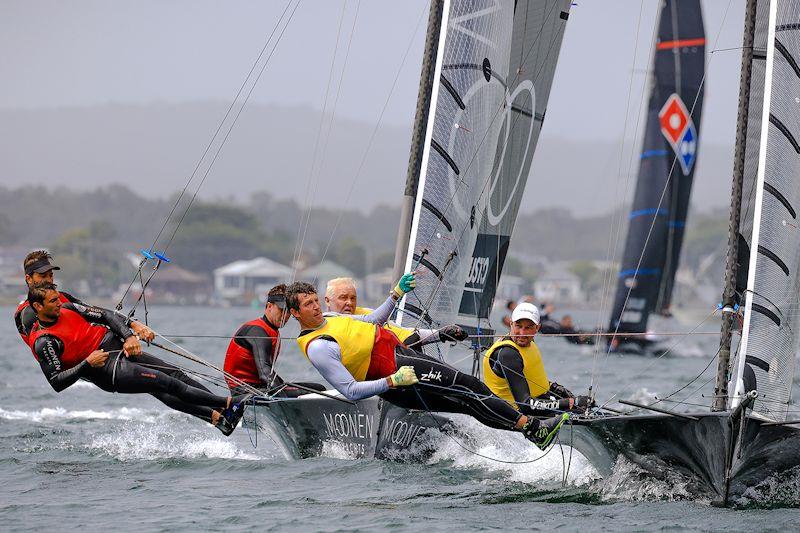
667, 163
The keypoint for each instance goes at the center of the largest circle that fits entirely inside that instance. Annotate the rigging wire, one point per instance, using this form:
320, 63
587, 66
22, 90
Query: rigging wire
374, 133
669, 178
212, 141
313, 178
233, 123
614, 234
658, 358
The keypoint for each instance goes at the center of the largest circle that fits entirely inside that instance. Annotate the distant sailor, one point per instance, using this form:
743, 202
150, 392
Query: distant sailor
362, 359
513, 370
72, 341
341, 298
254, 349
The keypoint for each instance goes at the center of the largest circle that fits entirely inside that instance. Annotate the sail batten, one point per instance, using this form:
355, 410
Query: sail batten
494, 71
770, 297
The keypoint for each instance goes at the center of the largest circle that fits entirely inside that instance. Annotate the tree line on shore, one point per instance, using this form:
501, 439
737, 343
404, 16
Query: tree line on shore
92, 231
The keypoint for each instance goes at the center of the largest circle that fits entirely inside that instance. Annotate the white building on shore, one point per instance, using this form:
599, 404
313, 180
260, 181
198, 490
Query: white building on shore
242, 281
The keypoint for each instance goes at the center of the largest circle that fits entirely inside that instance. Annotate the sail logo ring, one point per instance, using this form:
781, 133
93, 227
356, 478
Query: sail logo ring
524, 86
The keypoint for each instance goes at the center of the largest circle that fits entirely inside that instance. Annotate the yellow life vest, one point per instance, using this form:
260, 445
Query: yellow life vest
532, 369
402, 333
355, 339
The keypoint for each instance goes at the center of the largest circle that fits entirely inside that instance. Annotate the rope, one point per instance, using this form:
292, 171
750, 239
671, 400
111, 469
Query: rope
666, 186
214, 138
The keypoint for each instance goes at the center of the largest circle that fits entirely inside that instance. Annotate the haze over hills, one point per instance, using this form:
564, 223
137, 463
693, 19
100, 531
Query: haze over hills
154, 148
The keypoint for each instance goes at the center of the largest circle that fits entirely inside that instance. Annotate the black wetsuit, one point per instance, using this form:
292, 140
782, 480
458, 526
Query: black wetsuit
507, 362
443, 388
264, 350
122, 374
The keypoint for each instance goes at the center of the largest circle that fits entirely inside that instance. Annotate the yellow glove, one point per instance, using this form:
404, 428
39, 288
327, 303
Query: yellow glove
404, 377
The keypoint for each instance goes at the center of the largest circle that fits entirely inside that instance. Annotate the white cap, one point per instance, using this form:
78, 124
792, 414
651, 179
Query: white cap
526, 310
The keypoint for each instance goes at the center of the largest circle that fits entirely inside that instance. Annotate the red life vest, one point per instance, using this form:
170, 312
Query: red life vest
22, 305
382, 362
79, 336
240, 362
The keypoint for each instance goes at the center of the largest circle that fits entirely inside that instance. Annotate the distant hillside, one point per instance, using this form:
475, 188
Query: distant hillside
153, 149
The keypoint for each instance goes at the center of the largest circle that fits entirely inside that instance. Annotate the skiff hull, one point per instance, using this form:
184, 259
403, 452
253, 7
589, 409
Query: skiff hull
717, 456
372, 428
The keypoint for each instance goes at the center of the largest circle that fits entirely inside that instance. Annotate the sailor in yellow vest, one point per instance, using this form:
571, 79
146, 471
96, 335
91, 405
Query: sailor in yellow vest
341, 299
360, 359
513, 370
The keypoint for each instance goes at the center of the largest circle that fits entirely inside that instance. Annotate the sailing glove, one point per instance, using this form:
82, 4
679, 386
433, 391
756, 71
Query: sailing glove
577, 403
406, 284
404, 377
560, 391
452, 333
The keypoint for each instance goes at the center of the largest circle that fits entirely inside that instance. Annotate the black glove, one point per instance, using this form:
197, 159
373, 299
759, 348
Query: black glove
452, 333
560, 391
584, 402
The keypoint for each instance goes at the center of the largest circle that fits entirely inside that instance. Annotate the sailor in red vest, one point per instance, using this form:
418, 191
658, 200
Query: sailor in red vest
72, 341
39, 268
254, 349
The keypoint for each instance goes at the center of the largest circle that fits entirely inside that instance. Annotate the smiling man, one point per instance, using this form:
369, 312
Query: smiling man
513, 370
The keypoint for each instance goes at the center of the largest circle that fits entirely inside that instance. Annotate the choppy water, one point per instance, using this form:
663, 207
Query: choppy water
88, 459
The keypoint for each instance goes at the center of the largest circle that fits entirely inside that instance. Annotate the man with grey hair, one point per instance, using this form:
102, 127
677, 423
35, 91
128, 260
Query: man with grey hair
341, 299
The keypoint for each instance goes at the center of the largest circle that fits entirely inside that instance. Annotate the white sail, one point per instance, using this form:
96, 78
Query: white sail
771, 197
493, 75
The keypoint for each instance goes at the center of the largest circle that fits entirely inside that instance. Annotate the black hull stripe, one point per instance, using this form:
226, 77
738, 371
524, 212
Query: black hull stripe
789, 59
767, 313
427, 264
438, 214
791, 26
759, 54
452, 90
436, 146
772, 255
781, 198
786, 133
417, 312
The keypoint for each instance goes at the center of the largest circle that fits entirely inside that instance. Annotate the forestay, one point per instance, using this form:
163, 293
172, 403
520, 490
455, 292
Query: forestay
770, 243
494, 71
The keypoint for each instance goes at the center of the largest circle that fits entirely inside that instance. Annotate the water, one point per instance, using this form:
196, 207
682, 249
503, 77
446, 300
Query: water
85, 458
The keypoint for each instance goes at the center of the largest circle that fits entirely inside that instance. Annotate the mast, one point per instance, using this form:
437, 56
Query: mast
418, 135
720, 401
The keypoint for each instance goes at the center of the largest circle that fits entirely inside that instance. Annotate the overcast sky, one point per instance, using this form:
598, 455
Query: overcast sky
67, 54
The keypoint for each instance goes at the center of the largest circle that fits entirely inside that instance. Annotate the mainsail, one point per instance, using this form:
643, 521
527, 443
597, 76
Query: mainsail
769, 249
666, 168
494, 70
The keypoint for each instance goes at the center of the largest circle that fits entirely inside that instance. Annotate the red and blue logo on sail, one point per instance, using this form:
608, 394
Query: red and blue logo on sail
678, 128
